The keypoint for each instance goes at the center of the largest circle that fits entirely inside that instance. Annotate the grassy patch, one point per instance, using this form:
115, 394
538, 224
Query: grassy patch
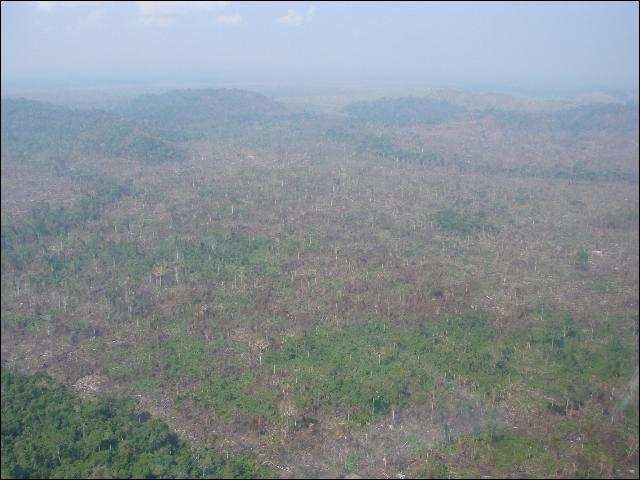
369, 369
366, 370
465, 223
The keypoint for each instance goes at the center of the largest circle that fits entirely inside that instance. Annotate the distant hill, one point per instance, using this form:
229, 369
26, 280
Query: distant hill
567, 119
32, 128
181, 114
578, 121
612, 118
404, 111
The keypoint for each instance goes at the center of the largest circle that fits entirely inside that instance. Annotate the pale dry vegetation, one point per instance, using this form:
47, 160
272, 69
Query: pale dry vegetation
336, 310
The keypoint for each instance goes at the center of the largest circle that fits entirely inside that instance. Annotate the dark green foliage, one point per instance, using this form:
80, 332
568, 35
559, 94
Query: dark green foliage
452, 221
577, 121
33, 129
127, 142
45, 220
433, 468
624, 219
582, 259
213, 254
29, 127
47, 432
185, 114
578, 172
367, 369
596, 118
570, 125
378, 145
195, 106
382, 146
21, 321
572, 364
341, 369
370, 368
183, 360
217, 250
506, 451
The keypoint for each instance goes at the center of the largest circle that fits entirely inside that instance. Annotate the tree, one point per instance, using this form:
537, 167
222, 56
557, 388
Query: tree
582, 259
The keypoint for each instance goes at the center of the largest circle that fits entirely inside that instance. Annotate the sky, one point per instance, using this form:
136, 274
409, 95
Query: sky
528, 45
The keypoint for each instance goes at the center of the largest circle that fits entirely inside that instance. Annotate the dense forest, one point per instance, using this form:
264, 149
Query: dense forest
32, 129
48, 432
216, 282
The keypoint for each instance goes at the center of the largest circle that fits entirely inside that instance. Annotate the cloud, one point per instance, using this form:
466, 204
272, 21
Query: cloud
229, 19
45, 6
90, 16
291, 18
295, 19
49, 6
160, 14
94, 20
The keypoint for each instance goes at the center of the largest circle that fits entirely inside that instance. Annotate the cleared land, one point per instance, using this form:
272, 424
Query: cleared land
404, 287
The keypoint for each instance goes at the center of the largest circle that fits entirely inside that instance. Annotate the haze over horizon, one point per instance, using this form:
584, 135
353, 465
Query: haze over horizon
498, 46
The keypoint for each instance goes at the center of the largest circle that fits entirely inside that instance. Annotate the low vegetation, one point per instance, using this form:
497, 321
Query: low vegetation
404, 287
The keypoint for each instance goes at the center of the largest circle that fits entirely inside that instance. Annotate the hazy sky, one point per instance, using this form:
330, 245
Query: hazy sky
529, 45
